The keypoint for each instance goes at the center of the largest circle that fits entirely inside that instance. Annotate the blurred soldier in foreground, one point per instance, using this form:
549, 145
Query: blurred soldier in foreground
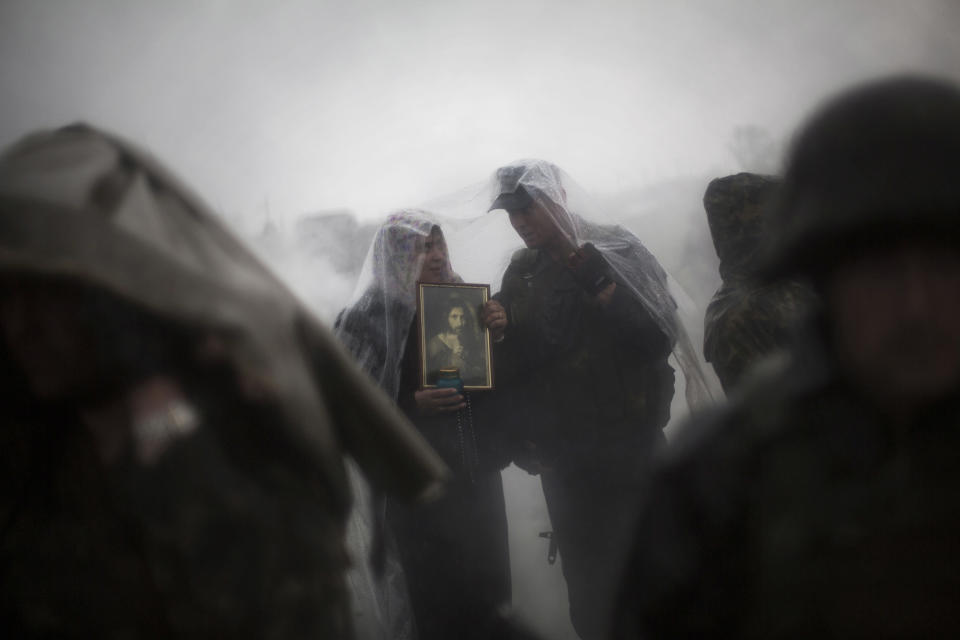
173, 421
583, 362
748, 318
826, 501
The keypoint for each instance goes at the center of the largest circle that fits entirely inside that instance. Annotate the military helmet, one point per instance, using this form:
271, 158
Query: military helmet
875, 163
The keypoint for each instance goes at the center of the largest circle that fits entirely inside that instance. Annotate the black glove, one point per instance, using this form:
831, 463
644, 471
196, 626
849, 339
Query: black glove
590, 269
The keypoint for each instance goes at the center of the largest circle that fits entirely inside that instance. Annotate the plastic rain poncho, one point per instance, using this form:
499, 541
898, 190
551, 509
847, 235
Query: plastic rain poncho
375, 328
375, 325
524, 182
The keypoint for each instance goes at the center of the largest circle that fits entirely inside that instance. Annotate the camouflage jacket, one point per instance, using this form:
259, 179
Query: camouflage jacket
796, 511
747, 320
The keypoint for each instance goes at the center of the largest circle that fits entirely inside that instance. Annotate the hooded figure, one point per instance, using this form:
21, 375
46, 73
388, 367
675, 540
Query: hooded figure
174, 420
454, 552
748, 318
584, 373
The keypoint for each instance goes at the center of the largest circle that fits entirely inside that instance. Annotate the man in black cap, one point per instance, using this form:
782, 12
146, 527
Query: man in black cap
583, 369
825, 502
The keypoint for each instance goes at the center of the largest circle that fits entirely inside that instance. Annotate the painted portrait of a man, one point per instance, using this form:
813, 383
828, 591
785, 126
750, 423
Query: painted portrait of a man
451, 334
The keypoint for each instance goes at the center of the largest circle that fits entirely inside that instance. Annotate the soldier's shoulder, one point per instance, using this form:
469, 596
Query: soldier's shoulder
724, 300
621, 243
754, 415
616, 238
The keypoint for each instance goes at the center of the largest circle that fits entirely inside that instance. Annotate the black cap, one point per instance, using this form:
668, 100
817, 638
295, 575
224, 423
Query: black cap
516, 200
512, 195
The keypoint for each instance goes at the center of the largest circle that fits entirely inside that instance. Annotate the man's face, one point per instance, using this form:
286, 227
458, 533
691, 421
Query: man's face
895, 317
455, 319
435, 258
535, 226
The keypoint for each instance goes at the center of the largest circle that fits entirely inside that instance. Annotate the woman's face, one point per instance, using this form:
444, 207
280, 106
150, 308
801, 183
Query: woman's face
435, 258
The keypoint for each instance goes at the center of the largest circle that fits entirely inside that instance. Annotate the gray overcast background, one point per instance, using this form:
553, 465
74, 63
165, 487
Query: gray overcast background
294, 106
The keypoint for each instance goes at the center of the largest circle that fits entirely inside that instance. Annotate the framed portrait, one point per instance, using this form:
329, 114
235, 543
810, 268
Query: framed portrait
451, 334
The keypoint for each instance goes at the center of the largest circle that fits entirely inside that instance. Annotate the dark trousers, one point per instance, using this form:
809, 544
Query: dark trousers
593, 501
456, 559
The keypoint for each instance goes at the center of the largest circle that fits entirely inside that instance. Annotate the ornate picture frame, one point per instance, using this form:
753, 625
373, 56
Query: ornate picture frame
451, 334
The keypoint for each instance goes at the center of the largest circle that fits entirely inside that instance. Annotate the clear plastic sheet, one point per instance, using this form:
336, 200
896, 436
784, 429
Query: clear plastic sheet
376, 323
375, 328
521, 183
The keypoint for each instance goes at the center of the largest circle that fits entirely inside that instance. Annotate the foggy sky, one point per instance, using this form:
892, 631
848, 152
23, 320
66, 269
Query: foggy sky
281, 108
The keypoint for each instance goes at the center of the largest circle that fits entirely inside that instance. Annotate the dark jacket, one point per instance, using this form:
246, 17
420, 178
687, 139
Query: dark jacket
366, 328
578, 376
747, 320
797, 511
454, 551
227, 533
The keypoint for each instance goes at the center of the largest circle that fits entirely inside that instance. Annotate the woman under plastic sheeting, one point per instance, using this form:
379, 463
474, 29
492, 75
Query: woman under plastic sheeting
174, 421
454, 551
583, 372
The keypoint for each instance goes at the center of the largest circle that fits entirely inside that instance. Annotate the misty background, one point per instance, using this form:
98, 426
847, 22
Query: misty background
304, 121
